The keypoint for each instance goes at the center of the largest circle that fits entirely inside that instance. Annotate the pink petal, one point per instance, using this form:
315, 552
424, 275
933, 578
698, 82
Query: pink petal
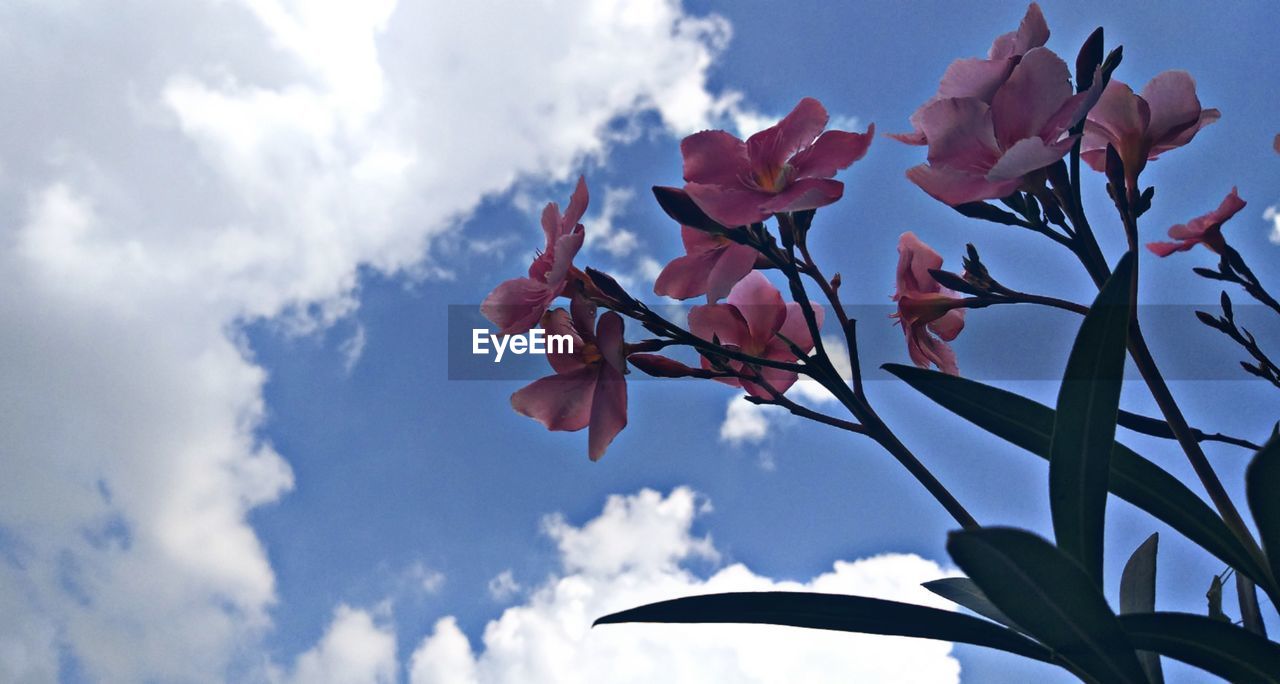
916, 137
559, 402
1184, 136
806, 193
1171, 96
1164, 249
949, 325
562, 256
1073, 110
695, 240
734, 263
712, 321
729, 205
957, 187
960, 134
796, 328
559, 322
1120, 117
551, 223
771, 148
832, 151
686, 276
610, 342
978, 78
761, 307
915, 260
714, 157
608, 410
777, 378
1027, 155
1035, 91
517, 305
582, 313
577, 205
1033, 32
925, 349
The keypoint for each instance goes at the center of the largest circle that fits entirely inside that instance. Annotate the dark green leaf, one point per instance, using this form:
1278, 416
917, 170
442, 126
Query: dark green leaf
1218, 647
962, 591
1050, 596
1029, 424
1138, 595
1084, 426
1262, 486
834, 612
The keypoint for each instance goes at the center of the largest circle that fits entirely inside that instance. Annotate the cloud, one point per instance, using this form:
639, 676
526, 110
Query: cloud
745, 422
353, 650
503, 586
174, 170
1273, 215
638, 551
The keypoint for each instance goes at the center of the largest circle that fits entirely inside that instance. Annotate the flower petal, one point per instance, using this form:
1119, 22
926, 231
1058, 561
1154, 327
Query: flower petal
719, 321
832, 151
517, 305
1035, 91
771, 148
562, 256
608, 410
686, 276
559, 402
978, 78
796, 328
806, 193
714, 157
761, 306
1171, 96
560, 322
915, 260
734, 263
1027, 155
1033, 32
729, 205
960, 134
958, 187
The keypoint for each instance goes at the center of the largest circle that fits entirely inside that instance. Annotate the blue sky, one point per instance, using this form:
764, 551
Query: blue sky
230, 401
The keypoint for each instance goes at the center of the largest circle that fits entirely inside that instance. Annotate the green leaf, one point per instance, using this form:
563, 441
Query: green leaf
962, 591
1222, 648
1262, 486
834, 612
1046, 592
1138, 595
1084, 425
1029, 424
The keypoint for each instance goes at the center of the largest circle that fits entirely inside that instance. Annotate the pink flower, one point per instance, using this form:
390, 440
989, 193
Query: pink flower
589, 389
518, 304
927, 311
1142, 127
980, 150
712, 265
981, 78
753, 320
787, 167
1203, 230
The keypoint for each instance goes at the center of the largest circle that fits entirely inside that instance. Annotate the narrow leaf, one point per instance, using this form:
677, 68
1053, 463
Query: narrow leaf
1051, 596
1029, 424
1138, 595
834, 612
1262, 486
1084, 426
1221, 648
962, 591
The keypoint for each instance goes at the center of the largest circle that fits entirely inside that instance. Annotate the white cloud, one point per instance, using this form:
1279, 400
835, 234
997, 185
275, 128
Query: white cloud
605, 233
637, 551
747, 423
1272, 215
503, 586
210, 163
354, 650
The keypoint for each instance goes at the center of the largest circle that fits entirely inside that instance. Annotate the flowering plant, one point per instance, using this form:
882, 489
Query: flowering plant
1013, 127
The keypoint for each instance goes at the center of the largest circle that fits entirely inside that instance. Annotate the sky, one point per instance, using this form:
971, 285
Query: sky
233, 233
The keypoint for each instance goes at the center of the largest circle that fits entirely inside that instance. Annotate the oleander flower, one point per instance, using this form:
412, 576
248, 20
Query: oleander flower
712, 265
1142, 127
518, 304
1203, 230
787, 167
754, 320
982, 150
981, 78
927, 311
589, 388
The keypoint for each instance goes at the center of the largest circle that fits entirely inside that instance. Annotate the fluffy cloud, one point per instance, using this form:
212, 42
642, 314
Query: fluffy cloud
1273, 215
637, 551
354, 650
174, 169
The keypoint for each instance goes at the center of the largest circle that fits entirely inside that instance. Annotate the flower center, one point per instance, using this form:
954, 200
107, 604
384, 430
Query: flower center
773, 179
